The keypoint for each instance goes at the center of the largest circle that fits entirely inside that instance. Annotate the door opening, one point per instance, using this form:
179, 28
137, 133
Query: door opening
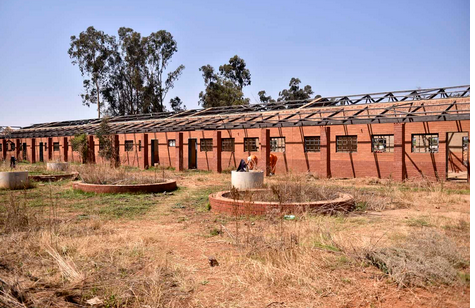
154, 159
192, 154
41, 152
457, 161
24, 151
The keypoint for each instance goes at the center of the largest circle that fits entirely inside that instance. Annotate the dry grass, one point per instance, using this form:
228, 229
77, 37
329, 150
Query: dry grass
104, 174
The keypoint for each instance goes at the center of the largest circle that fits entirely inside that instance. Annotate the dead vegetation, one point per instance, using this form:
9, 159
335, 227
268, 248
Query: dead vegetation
61, 248
105, 174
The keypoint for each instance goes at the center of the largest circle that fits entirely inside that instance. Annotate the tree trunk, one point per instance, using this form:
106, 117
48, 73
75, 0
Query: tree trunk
98, 101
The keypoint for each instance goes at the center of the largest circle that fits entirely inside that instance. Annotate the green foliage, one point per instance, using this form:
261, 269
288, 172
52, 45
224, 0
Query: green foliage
129, 72
294, 92
106, 141
225, 87
79, 144
177, 104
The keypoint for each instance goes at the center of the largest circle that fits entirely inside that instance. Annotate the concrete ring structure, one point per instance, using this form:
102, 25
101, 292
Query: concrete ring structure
14, 179
168, 185
247, 180
57, 166
53, 177
221, 203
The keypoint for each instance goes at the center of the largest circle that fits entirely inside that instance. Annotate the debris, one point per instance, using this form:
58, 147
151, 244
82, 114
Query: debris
289, 217
212, 261
95, 301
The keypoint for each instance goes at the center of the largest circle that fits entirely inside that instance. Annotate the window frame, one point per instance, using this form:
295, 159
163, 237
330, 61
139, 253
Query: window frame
246, 144
429, 146
275, 146
387, 148
317, 144
56, 147
231, 145
206, 145
171, 143
341, 137
128, 145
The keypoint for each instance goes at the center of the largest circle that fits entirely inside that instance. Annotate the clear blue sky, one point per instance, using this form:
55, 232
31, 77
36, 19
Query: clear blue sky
337, 47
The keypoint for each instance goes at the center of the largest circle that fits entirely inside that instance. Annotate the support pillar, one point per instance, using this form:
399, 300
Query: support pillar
17, 149
90, 149
65, 149
116, 145
216, 164
265, 150
4, 149
325, 155
144, 159
399, 165
33, 151
179, 151
50, 149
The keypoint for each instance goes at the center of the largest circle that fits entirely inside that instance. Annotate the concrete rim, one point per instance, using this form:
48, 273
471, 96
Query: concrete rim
168, 185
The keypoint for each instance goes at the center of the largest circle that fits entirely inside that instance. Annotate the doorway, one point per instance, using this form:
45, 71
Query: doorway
24, 151
457, 162
41, 152
192, 154
154, 159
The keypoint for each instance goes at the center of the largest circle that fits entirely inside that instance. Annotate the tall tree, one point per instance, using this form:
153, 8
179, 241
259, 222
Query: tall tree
225, 87
177, 105
263, 98
92, 51
294, 92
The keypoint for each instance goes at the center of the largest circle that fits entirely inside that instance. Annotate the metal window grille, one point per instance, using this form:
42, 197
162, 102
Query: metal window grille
382, 143
277, 144
312, 144
12, 146
56, 146
425, 143
129, 145
465, 150
346, 144
171, 143
227, 144
206, 145
250, 144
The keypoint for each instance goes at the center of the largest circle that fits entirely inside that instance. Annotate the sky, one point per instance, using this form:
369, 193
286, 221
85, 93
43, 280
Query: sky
337, 47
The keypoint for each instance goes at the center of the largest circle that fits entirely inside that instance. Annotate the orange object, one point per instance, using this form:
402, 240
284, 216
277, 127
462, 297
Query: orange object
252, 162
272, 163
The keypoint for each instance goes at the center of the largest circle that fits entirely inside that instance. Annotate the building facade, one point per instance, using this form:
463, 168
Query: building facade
398, 135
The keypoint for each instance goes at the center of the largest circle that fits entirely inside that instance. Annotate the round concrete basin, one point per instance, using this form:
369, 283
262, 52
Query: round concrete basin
57, 166
247, 180
14, 179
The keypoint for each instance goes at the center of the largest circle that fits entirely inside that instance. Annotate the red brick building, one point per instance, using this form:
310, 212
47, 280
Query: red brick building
399, 135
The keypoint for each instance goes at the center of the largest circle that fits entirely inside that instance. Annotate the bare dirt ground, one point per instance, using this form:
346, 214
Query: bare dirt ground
62, 248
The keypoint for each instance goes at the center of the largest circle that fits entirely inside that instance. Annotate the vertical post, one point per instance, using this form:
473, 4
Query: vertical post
399, 166
179, 151
50, 149
17, 149
116, 151
265, 150
65, 149
325, 155
33, 150
144, 161
216, 165
90, 149
4, 149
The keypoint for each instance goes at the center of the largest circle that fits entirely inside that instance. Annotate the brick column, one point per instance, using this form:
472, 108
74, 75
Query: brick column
144, 161
116, 150
179, 151
33, 151
50, 149
90, 149
17, 149
216, 163
325, 156
65, 148
265, 150
399, 166
4, 149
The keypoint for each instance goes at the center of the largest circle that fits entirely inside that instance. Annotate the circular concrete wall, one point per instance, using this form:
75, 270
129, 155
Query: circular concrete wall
169, 185
14, 179
247, 180
57, 166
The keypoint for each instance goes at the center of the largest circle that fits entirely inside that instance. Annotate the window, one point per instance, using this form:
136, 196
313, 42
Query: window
312, 144
464, 150
206, 145
129, 145
227, 144
251, 144
1, 147
382, 143
425, 143
56, 146
277, 144
346, 144
172, 143
12, 146
140, 145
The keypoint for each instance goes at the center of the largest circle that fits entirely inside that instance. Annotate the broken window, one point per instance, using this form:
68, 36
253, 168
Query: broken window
425, 143
312, 144
227, 144
129, 145
277, 144
382, 143
56, 146
346, 144
12, 146
171, 143
206, 145
251, 144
